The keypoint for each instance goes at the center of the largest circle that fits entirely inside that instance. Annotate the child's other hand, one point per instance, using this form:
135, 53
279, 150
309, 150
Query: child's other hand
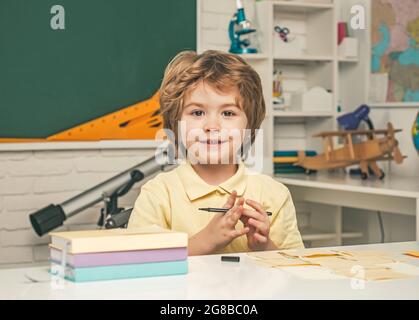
259, 226
222, 228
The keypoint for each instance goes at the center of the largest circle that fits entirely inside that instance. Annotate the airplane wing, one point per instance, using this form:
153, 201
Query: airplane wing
352, 133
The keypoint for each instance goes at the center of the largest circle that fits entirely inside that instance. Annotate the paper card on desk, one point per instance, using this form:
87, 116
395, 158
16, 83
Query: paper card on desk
405, 268
265, 255
313, 273
366, 261
412, 253
373, 274
343, 265
274, 259
346, 261
293, 266
365, 253
369, 268
278, 263
366, 258
309, 253
334, 263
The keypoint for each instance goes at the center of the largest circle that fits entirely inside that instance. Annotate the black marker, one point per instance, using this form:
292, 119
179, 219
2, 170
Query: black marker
223, 210
230, 258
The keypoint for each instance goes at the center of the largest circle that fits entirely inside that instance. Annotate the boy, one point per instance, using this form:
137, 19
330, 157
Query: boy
215, 97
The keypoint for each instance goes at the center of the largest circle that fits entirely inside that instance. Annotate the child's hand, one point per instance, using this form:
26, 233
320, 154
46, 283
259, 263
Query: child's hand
222, 228
258, 222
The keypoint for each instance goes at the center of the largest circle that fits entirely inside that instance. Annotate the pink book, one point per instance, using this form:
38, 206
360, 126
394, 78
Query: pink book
119, 258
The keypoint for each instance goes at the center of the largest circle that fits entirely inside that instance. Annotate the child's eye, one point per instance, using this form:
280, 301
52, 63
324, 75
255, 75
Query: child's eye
229, 113
197, 113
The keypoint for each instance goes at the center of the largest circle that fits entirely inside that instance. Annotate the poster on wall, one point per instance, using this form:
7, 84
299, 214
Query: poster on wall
395, 51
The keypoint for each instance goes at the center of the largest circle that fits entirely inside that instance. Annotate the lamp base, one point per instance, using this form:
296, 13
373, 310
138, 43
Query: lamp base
243, 50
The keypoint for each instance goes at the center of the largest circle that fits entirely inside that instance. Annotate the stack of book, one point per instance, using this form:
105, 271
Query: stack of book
81, 256
284, 161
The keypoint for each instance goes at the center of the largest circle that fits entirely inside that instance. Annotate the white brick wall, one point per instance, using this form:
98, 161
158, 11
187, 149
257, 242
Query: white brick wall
219, 6
13, 255
2, 172
31, 180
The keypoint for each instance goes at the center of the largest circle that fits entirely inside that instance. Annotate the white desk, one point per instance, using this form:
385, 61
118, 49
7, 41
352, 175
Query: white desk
209, 278
393, 194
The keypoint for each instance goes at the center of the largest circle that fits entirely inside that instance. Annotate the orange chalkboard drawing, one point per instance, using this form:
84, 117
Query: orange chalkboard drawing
140, 121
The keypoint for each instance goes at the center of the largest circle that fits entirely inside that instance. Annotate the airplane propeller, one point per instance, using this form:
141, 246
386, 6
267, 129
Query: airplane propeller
394, 144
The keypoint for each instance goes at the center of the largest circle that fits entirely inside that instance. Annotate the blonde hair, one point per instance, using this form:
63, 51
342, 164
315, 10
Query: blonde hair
219, 69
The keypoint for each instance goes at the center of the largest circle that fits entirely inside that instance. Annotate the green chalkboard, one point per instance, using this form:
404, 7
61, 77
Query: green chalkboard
111, 54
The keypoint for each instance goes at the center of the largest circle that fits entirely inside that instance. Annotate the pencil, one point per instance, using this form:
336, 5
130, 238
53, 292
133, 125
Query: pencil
223, 210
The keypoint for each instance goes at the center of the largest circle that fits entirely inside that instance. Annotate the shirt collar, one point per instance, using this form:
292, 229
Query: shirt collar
196, 187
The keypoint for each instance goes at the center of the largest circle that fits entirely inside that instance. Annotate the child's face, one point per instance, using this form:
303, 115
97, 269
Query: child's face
212, 124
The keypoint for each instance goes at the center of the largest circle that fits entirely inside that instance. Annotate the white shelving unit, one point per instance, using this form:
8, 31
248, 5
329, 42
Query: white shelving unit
300, 6
314, 62
303, 59
354, 73
302, 114
394, 104
348, 60
256, 56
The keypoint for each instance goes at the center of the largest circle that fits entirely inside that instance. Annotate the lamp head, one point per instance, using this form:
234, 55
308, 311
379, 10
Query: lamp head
47, 219
351, 121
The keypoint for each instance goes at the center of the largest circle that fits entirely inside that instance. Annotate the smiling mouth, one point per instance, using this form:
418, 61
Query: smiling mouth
213, 142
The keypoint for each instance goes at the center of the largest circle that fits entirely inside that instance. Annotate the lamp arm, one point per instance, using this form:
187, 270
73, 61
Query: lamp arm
53, 216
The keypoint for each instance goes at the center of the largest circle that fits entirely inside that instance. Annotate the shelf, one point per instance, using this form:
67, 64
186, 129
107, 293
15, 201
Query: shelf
302, 114
300, 6
254, 56
394, 104
313, 234
351, 234
348, 60
80, 145
304, 59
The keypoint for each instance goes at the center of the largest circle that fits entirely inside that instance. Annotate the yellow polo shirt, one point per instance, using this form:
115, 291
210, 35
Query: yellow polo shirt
171, 200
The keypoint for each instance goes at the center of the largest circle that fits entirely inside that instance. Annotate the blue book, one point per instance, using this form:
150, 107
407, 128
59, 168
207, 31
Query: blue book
278, 153
289, 170
126, 271
285, 166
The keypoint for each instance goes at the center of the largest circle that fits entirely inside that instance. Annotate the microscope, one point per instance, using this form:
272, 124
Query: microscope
240, 26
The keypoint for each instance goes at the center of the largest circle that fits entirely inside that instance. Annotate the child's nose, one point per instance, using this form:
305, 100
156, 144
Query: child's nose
212, 123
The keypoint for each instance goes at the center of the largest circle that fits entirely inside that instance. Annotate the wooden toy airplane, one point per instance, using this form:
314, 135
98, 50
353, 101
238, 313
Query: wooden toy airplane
365, 153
